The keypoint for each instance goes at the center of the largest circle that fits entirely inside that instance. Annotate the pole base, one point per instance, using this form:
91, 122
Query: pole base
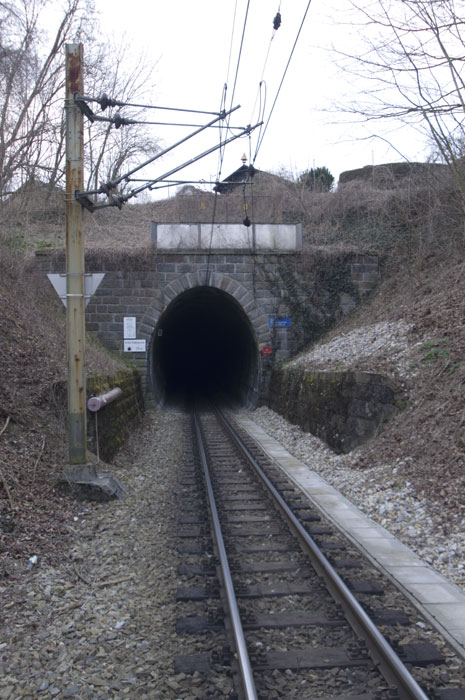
85, 484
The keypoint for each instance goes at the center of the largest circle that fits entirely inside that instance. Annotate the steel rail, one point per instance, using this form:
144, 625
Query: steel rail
238, 633
392, 668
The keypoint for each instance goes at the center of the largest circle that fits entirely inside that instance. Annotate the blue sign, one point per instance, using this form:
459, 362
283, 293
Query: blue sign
274, 322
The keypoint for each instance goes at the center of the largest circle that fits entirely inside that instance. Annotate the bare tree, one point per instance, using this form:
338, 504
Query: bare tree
32, 132
413, 57
111, 69
31, 82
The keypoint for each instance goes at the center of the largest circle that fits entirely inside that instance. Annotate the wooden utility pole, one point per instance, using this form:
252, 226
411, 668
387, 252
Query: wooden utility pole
75, 266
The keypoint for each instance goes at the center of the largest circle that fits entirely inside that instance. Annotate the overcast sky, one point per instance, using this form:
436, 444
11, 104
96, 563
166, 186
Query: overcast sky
197, 53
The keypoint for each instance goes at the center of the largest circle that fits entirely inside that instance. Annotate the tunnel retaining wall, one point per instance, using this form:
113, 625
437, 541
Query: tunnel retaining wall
115, 420
342, 407
290, 298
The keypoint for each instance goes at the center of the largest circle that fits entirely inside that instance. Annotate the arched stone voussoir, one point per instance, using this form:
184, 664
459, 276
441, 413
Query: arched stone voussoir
145, 331
216, 280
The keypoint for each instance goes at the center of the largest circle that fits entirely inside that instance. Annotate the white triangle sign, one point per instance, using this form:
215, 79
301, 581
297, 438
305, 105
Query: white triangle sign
91, 283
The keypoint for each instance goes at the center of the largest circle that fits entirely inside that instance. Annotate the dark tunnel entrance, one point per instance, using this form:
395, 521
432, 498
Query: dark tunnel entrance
204, 347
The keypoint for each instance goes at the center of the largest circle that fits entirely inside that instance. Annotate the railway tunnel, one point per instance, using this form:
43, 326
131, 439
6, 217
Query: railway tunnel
204, 346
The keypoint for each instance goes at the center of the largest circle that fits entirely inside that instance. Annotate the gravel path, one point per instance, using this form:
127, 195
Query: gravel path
382, 493
101, 624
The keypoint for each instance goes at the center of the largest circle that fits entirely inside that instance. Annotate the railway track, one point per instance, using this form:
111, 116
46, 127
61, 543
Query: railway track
275, 604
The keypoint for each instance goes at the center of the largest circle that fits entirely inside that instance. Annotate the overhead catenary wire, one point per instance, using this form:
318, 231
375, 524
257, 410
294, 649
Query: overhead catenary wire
261, 111
221, 150
231, 43
240, 51
218, 177
119, 200
262, 136
238, 62
104, 101
106, 188
276, 25
118, 120
225, 116
222, 143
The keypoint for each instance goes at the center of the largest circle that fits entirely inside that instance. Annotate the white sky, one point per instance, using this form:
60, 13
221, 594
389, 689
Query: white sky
191, 43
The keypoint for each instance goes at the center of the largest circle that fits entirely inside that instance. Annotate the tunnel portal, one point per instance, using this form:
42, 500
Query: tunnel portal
204, 346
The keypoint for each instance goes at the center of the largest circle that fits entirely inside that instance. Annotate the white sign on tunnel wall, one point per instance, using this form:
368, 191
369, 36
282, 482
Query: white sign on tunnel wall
129, 325
135, 345
130, 342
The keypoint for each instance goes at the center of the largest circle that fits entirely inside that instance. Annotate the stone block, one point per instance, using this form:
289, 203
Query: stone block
135, 310
364, 267
372, 277
101, 488
148, 293
112, 327
176, 286
365, 287
366, 259
145, 331
102, 317
347, 303
182, 268
193, 279
111, 300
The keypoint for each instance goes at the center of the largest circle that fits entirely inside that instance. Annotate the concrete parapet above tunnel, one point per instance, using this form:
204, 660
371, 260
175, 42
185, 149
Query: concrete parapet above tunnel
262, 237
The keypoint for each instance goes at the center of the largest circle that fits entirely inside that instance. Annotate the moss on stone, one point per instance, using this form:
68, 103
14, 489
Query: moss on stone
344, 408
114, 420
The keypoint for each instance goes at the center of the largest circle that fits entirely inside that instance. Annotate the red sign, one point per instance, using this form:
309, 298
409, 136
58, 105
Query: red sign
267, 349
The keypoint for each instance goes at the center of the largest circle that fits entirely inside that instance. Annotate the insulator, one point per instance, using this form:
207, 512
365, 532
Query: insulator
104, 101
247, 222
105, 188
117, 201
277, 21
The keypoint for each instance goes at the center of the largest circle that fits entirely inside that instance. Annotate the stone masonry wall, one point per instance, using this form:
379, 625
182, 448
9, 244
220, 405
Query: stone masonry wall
313, 290
343, 408
115, 420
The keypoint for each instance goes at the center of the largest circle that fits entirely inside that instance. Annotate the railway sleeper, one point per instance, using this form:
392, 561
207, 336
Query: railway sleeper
272, 590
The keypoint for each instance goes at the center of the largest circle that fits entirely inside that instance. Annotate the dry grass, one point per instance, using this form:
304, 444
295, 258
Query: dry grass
412, 215
33, 441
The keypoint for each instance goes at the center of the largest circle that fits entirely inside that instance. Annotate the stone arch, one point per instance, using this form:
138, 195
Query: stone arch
241, 370
217, 280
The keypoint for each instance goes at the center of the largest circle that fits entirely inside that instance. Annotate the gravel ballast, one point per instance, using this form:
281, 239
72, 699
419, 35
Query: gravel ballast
101, 624
382, 492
